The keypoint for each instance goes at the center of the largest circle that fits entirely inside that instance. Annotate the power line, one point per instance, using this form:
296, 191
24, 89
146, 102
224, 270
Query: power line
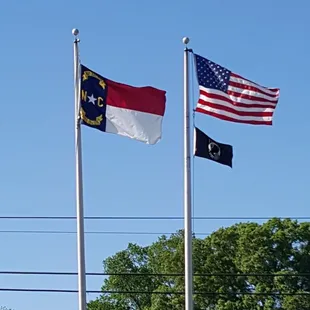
211, 274
148, 218
93, 232
34, 290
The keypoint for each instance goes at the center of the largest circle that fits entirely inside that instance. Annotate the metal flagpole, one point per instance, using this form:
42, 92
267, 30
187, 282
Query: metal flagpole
79, 180
187, 189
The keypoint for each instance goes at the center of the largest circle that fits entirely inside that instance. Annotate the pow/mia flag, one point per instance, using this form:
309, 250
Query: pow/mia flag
207, 148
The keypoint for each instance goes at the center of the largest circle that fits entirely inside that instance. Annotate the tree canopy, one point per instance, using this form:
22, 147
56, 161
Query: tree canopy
245, 266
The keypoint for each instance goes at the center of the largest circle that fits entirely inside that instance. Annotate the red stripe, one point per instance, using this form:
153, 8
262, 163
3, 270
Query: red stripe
240, 77
143, 99
227, 118
230, 110
252, 88
235, 103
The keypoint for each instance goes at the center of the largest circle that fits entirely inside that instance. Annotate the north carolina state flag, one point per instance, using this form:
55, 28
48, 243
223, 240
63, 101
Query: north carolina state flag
112, 107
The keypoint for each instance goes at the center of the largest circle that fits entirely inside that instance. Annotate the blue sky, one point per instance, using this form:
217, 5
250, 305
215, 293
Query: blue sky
140, 43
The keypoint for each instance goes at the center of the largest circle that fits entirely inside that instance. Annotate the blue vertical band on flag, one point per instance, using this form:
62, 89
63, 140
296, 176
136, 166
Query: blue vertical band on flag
93, 99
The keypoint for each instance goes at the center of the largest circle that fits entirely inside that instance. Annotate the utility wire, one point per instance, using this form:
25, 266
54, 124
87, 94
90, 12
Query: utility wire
93, 232
147, 292
211, 274
149, 218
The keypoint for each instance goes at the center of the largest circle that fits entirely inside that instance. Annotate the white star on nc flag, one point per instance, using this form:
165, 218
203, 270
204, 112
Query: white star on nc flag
92, 99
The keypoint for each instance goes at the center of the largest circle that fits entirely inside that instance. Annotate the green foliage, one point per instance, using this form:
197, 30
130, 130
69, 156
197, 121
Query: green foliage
275, 247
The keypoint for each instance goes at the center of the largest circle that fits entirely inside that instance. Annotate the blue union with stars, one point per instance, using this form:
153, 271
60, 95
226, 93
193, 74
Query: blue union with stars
212, 75
93, 99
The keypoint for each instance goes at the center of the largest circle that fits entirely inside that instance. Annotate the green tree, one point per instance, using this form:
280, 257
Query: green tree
256, 257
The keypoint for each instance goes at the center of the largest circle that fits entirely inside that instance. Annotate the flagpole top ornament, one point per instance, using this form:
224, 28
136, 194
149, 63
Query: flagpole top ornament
185, 40
75, 31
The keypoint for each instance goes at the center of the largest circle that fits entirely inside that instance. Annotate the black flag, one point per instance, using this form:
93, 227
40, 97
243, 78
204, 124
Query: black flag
207, 148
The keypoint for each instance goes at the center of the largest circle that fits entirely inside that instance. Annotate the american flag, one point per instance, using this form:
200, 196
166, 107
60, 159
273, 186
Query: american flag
230, 97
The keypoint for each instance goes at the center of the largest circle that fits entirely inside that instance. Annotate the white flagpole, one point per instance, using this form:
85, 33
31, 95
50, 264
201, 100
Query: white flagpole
79, 180
187, 189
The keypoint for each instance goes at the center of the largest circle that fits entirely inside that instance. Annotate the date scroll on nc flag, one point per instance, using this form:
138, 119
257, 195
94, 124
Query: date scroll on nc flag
112, 107
230, 97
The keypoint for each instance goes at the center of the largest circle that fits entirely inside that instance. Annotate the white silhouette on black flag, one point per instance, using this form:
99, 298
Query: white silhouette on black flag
208, 148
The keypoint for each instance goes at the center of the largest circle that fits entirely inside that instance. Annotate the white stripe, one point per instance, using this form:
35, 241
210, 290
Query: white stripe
141, 126
245, 82
252, 93
194, 141
235, 116
236, 108
234, 98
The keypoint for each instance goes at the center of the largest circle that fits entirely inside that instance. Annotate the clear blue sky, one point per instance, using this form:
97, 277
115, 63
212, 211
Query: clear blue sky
139, 43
